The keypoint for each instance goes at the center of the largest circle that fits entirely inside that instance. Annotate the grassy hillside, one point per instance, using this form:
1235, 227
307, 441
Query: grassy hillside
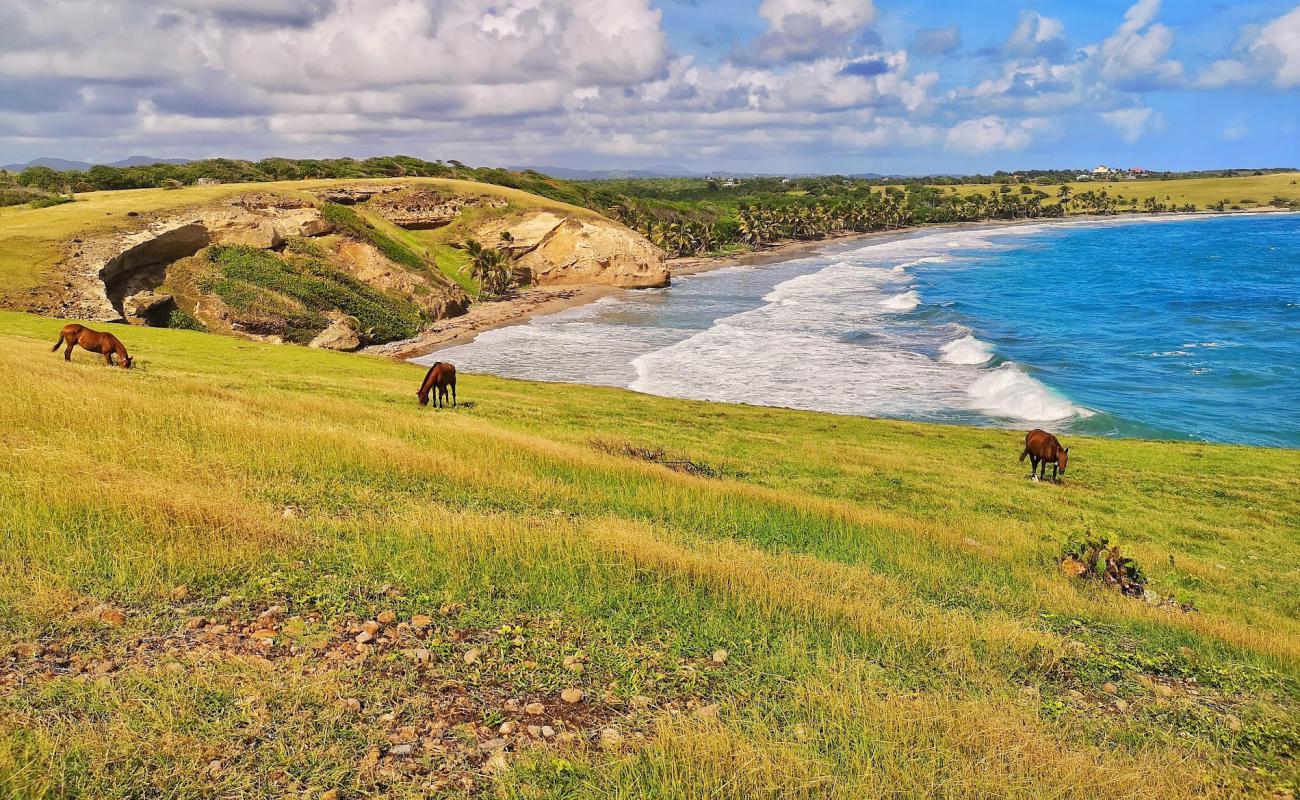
191, 549
32, 239
1245, 191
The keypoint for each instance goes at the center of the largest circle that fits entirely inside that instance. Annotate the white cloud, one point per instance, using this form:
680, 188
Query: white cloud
993, 133
1037, 35
1269, 54
803, 29
1278, 46
1132, 123
1133, 57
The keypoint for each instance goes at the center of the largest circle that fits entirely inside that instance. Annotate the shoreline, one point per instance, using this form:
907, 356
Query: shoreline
543, 300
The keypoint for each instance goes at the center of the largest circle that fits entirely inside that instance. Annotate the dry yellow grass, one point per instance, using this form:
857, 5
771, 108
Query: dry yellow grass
891, 633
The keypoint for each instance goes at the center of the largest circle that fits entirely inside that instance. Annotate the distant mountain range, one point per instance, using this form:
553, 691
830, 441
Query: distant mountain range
63, 164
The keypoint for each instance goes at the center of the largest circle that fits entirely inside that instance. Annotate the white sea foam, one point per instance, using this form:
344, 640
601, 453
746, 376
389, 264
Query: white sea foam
904, 301
1008, 392
827, 335
966, 350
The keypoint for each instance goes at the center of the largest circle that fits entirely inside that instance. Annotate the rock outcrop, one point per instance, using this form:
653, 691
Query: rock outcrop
343, 333
151, 308
574, 250
426, 210
103, 273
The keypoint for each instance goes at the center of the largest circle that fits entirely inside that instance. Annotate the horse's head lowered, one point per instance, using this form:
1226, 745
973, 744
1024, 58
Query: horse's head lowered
1062, 458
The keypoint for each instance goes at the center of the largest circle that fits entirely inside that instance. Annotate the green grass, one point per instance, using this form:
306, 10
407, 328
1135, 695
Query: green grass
887, 592
1200, 192
317, 287
32, 240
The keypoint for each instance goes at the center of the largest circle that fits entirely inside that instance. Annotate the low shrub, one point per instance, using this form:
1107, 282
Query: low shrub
351, 222
319, 288
185, 321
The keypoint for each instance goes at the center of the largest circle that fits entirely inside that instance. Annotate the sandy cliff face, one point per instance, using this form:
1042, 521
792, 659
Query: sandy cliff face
104, 274
561, 250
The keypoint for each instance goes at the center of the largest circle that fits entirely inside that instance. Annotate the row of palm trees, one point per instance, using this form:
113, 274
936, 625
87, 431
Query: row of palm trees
757, 225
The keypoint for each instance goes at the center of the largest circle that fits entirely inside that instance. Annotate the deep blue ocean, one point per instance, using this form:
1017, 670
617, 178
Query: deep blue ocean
1181, 328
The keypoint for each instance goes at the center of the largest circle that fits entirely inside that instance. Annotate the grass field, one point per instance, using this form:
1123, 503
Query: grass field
190, 552
1247, 191
31, 240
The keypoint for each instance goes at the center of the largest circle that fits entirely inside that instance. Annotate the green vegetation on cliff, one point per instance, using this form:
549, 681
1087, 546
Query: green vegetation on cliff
264, 571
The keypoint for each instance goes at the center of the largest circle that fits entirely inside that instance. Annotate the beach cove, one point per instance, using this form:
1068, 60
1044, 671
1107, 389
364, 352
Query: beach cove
1030, 323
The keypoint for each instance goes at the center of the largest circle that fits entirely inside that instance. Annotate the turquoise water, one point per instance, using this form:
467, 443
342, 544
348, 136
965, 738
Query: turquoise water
1184, 328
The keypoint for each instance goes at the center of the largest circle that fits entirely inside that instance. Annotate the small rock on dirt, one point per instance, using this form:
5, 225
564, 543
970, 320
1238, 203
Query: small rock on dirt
534, 709
571, 696
386, 617
472, 655
720, 656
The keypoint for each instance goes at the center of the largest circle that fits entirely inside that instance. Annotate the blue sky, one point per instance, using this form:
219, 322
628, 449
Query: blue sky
748, 85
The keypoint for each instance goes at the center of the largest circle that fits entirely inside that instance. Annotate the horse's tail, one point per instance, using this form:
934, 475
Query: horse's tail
1023, 453
57, 344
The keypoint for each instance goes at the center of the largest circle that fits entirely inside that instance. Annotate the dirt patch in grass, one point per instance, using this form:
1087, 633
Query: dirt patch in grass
676, 463
425, 703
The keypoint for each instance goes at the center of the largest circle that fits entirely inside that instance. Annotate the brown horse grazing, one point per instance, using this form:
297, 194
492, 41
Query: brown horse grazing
1044, 448
106, 344
440, 376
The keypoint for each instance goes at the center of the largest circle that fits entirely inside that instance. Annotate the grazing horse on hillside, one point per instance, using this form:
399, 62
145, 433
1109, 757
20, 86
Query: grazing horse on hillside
440, 376
1044, 448
105, 344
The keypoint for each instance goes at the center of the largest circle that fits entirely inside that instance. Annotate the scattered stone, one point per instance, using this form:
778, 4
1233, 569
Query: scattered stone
421, 621
111, 616
548, 732
365, 637
1121, 704
512, 705
194, 623
370, 760
497, 763
401, 750
508, 727
720, 656
386, 617
351, 704
420, 655
1075, 695
708, 712
571, 696
1233, 722
472, 655
370, 626
180, 592
535, 731
263, 633
218, 630
610, 738
534, 709
639, 701
332, 794
1109, 688
1163, 691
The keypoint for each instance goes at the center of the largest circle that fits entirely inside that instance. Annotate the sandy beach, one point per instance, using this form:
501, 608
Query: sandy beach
541, 300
